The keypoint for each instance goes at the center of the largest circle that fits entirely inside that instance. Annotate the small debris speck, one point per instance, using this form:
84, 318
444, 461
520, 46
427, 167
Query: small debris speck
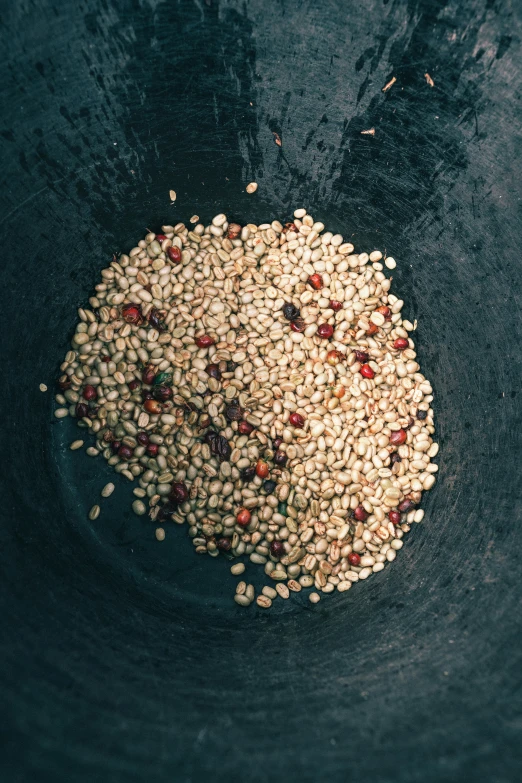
370, 132
277, 139
389, 84
429, 80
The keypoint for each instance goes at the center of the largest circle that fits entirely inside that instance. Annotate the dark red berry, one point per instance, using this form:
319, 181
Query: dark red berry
406, 505
361, 356
152, 449
395, 517
297, 420
89, 393
162, 393
401, 343
115, 446
290, 227
205, 341
245, 428
366, 371
142, 438
421, 415
148, 374
360, 514
280, 458
277, 549
178, 492
233, 412
161, 237
247, 474
395, 458
125, 452
398, 437
335, 305
354, 559
81, 410
224, 544
276, 443
155, 319
213, 371
325, 331
269, 486
134, 384
174, 253
298, 325
316, 281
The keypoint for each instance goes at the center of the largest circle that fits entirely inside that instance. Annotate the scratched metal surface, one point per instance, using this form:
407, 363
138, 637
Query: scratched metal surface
122, 659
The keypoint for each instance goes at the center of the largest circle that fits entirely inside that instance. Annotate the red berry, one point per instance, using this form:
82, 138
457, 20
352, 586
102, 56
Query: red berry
161, 237
385, 311
174, 253
234, 230
354, 558
316, 281
334, 357
89, 393
152, 406
335, 305
394, 517
262, 469
245, 428
134, 384
400, 344
243, 517
142, 438
372, 328
205, 341
360, 514
298, 325
277, 549
325, 331
398, 437
125, 452
361, 356
152, 449
366, 371
297, 420
132, 313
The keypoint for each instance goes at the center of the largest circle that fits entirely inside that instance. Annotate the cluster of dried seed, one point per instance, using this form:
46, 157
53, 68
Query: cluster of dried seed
259, 384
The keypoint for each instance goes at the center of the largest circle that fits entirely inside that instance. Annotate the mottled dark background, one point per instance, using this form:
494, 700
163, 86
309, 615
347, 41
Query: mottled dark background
125, 660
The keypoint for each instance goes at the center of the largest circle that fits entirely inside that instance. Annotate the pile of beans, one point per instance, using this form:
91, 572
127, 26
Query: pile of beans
259, 384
